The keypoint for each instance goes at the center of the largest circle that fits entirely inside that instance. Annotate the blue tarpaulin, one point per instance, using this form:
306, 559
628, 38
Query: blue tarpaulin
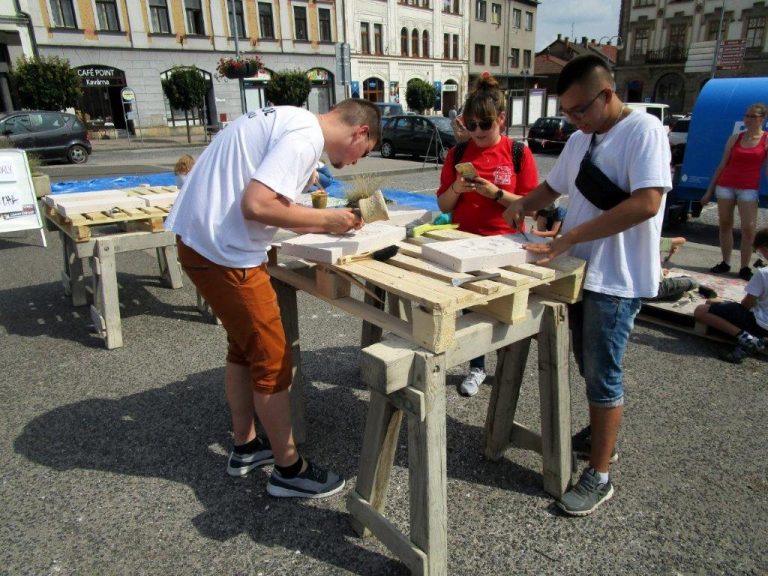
335, 189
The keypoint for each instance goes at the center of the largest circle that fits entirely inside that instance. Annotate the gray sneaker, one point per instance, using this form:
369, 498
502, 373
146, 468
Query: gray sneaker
587, 495
312, 483
471, 383
241, 464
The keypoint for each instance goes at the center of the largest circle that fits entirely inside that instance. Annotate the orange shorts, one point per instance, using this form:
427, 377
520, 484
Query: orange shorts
245, 302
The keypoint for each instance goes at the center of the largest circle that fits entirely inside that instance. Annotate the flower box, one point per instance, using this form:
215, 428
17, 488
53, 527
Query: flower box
238, 67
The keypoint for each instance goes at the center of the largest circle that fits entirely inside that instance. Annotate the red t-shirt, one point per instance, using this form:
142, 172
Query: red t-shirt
743, 168
476, 213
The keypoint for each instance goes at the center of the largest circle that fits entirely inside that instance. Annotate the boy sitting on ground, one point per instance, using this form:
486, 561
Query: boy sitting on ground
746, 321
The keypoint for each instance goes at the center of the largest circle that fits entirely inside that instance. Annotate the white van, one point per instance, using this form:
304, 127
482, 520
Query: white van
661, 111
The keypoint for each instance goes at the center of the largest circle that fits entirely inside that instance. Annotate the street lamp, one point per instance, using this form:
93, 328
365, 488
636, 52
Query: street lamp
525, 74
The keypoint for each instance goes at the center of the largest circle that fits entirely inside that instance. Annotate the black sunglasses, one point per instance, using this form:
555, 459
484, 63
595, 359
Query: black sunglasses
486, 124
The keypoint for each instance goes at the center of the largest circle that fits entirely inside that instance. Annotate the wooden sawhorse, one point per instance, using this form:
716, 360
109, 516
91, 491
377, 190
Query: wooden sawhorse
404, 378
101, 251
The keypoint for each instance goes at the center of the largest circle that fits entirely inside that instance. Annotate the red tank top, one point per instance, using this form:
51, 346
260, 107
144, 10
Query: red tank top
743, 168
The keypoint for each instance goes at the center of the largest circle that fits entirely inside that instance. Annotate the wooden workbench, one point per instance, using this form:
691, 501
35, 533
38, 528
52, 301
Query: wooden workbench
425, 334
97, 238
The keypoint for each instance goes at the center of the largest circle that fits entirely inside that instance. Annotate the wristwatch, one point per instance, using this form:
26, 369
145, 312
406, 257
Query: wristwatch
499, 195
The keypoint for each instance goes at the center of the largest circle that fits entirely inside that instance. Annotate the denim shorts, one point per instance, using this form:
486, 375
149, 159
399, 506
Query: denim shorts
738, 194
600, 329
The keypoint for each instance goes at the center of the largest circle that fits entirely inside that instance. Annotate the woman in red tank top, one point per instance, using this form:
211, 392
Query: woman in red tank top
735, 183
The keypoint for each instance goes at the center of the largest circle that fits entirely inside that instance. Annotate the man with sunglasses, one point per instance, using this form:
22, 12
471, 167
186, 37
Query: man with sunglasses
243, 187
620, 160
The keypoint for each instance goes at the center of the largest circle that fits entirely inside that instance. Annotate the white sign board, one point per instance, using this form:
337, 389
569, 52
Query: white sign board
18, 205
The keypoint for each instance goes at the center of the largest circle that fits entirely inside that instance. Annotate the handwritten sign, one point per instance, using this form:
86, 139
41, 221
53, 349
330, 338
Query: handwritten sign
18, 205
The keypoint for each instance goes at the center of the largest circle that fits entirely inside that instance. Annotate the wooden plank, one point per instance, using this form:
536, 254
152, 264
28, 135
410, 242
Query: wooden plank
427, 473
386, 367
510, 369
538, 272
419, 289
555, 399
382, 430
389, 535
438, 272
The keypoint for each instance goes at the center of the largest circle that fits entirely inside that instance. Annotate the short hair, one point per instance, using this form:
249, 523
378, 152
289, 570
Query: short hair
583, 70
761, 239
184, 165
359, 112
486, 100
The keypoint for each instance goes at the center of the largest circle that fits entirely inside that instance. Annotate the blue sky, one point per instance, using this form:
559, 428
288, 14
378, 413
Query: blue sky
576, 18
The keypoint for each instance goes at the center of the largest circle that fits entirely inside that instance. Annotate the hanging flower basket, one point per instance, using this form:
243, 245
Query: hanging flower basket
243, 67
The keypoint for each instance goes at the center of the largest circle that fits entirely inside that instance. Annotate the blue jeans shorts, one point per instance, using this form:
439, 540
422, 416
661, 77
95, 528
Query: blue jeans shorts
600, 329
738, 194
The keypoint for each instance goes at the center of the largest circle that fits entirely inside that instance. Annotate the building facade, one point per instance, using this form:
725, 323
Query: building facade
670, 47
16, 40
118, 44
394, 41
503, 37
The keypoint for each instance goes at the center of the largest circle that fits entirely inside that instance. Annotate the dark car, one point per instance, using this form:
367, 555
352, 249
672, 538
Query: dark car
549, 132
49, 135
417, 136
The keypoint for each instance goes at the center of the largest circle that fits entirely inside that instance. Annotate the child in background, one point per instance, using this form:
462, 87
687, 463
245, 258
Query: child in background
548, 221
182, 168
746, 321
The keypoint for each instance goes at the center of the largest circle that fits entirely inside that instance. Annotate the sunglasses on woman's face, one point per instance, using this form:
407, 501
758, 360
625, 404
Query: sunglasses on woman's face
486, 124
753, 115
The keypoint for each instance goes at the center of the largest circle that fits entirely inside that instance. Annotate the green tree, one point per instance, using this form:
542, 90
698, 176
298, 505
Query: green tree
46, 83
185, 89
288, 88
420, 95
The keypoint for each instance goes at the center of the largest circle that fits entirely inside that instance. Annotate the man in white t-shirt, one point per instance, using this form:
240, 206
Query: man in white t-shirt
619, 240
244, 186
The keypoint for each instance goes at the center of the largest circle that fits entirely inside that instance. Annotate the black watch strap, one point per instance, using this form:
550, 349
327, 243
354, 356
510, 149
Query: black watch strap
499, 195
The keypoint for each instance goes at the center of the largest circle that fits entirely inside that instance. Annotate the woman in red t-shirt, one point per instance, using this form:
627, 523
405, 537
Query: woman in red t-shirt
736, 183
478, 205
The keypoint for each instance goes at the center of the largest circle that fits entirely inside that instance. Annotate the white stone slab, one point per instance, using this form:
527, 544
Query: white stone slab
99, 205
328, 248
160, 199
405, 216
471, 254
56, 199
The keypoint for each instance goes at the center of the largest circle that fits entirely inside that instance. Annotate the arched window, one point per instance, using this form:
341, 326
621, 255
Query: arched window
415, 43
425, 44
404, 42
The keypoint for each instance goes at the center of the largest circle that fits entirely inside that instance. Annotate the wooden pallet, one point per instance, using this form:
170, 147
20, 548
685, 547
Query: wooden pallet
679, 315
81, 226
423, 305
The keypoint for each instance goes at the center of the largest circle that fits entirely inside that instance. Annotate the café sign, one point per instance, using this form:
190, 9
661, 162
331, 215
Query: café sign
98, 76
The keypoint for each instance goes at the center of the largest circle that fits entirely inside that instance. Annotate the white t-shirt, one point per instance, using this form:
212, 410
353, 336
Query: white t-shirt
634, 154
277, 146
758, 287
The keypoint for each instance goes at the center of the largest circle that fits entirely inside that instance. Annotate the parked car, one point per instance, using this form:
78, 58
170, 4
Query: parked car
549, 132
49, 135
417, 135
678, 132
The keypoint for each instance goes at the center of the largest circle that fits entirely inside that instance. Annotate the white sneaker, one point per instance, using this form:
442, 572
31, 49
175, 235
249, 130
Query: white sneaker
472, 382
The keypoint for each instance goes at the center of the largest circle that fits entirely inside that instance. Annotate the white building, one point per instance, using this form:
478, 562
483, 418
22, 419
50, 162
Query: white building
394, 41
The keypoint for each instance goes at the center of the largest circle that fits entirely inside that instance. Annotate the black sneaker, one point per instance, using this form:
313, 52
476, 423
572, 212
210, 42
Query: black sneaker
581, 445
735, 356
587, 495
745, 273
312, 483
241, 464
721, 268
